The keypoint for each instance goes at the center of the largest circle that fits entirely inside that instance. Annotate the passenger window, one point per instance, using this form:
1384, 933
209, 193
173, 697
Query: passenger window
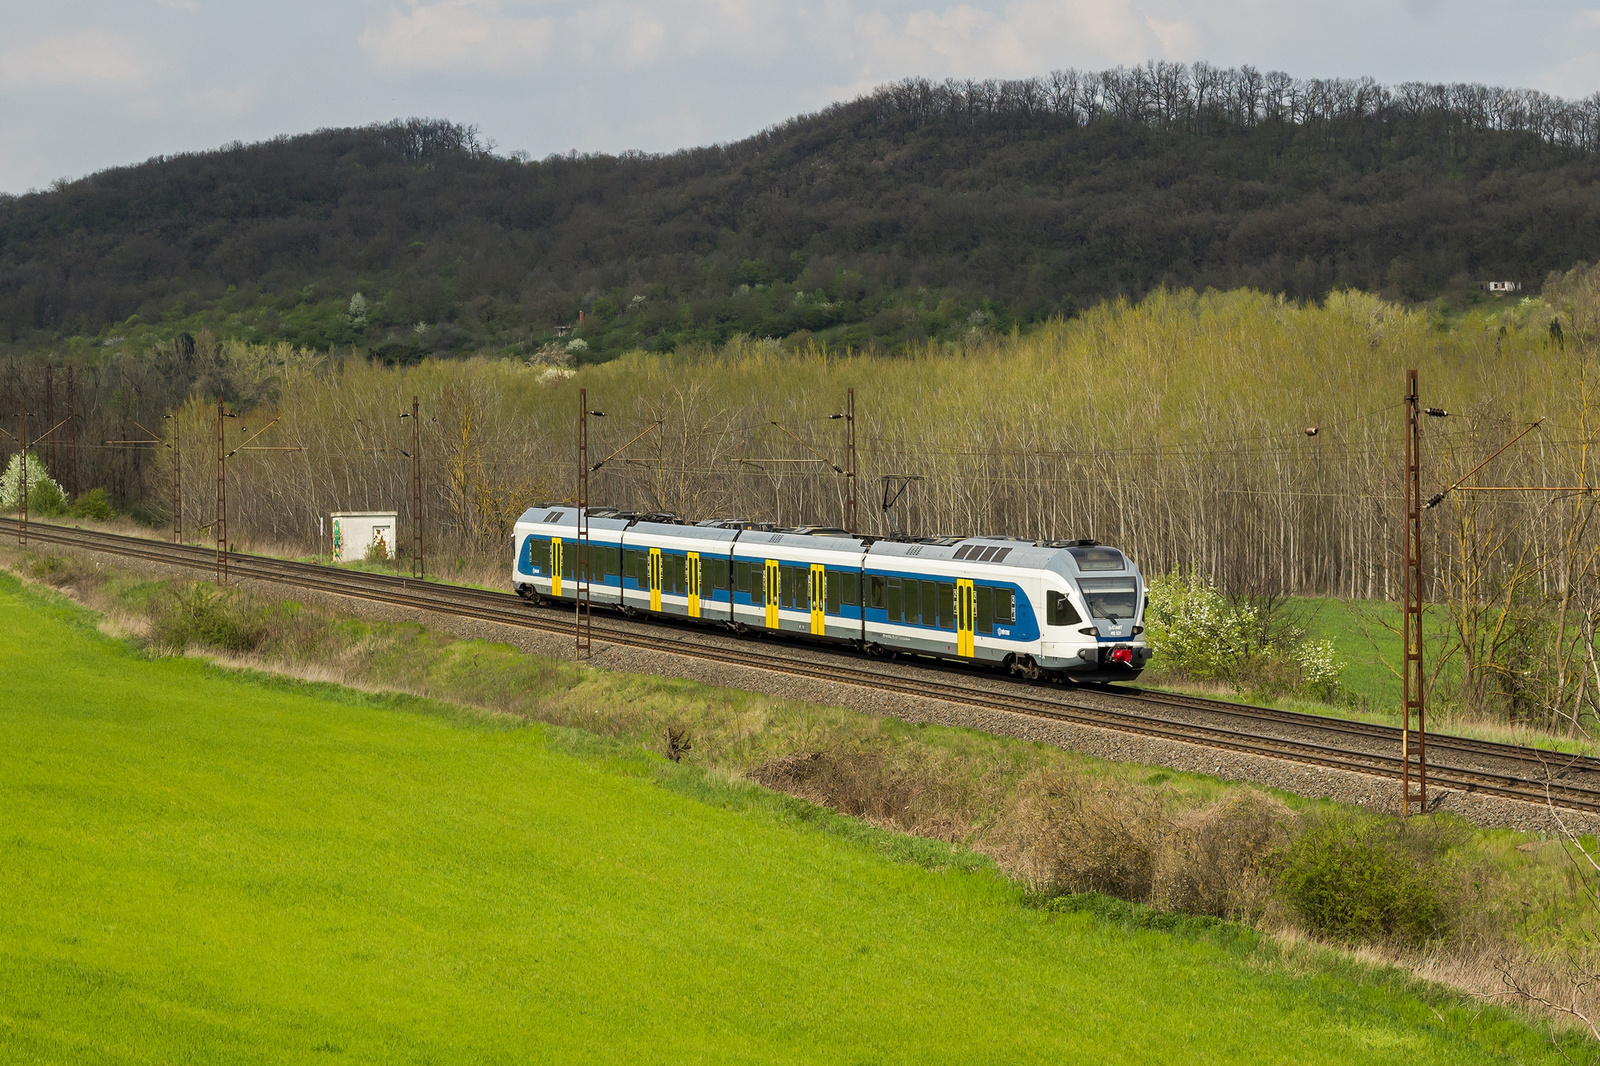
876, 587
850, 590
1059, 610
985, 604
1005, 609
741, 577
892, 597
911, 593
947, 606
930, 603
835, 590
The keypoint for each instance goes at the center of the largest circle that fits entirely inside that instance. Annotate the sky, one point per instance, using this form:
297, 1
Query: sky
89, 84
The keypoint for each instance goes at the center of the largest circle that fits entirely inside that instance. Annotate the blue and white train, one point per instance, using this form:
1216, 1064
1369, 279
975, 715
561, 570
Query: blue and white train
1062, 609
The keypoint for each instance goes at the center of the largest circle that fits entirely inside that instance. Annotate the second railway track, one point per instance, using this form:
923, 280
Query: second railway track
1528, 774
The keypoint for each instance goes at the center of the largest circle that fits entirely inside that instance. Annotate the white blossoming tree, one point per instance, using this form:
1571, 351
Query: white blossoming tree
1197, 633
44, 494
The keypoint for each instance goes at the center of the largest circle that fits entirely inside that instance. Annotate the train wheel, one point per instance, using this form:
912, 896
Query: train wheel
1024, 666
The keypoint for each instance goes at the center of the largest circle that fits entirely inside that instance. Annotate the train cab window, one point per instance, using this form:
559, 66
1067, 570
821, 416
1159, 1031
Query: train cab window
1059, 610
984, 623
1005, 609
947, 606
892, 597
877, 588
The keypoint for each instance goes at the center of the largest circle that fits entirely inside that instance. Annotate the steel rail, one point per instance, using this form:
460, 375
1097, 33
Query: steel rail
506, 608
1561, 762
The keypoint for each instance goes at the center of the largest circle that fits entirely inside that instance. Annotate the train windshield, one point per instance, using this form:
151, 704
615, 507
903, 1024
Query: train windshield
1112, 598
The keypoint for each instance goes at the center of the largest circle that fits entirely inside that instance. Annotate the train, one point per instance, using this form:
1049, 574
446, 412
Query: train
1060, 610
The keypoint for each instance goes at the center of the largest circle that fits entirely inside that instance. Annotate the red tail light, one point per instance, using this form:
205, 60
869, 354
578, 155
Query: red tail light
1122, 655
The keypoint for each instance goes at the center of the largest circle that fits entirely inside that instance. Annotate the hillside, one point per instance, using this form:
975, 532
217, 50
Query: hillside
263, 870
917, 211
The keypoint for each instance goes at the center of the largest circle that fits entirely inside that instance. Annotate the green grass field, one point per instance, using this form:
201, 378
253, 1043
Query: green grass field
210, 867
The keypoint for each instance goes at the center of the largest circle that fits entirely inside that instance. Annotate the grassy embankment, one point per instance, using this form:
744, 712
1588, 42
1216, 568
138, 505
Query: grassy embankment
227, 867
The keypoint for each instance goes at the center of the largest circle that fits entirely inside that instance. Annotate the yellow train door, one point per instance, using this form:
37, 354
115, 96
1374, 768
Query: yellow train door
819, 587
771, 590
655, 579
966, 598
555, 566
694, 584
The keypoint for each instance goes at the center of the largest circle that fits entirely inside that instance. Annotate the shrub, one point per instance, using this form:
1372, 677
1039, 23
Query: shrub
1194, 630
1213, 861
1354, 879
1197, 633
92, 504
378, 553
46, 499
1067, 834
200, 614
1320, 669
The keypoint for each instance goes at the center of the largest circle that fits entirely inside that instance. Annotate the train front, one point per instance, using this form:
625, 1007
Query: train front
1094, 615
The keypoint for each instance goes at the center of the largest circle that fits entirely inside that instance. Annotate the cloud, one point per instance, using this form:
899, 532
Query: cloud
626, 33
455, 35
180, 5
89, 59
1421, 9
1024, 37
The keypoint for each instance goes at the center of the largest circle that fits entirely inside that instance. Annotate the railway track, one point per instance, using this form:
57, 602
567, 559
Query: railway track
1456, 763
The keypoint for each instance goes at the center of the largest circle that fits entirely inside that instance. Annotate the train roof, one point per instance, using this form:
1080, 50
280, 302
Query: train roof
1069, 557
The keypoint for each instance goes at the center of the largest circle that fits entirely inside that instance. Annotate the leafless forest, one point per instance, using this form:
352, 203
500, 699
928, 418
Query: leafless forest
1176, 428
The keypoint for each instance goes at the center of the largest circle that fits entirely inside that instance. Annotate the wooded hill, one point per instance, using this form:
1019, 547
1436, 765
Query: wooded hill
920, 210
